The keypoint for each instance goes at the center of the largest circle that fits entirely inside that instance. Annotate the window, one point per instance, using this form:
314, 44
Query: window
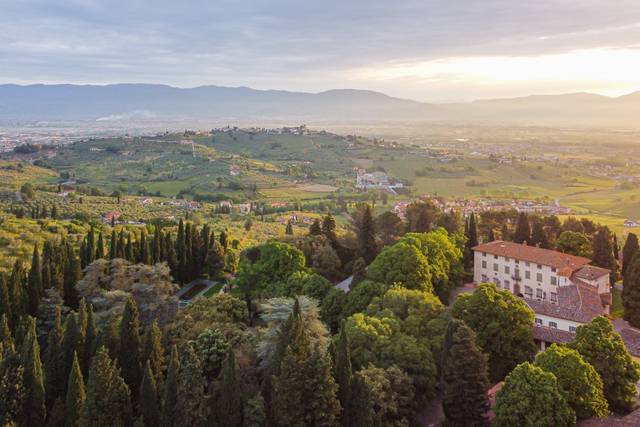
507, 285
553, 325
539, 266
527, 274
572, 329
495, 257
539, 293
528, 291
484, 264
495, 267
554, 280
507, 269
517, 262
553, 269
538, 321
539, 277
496, 281
517, 274
554, 297
485, 278
484, 254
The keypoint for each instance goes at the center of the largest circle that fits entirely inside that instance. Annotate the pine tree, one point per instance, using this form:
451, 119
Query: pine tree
523, 229
343, 374
108, 401
466, 378
75, 395
190, 408
367, 247
228, 403
170, 395
630, 249
35, 409
315, 229
153, 352
148, 399
129, 354
34, 285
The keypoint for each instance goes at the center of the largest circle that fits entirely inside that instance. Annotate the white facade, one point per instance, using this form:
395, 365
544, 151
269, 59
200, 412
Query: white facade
555, 322
530, 279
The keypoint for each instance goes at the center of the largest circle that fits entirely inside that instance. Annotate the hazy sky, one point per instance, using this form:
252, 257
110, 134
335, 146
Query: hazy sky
422, 49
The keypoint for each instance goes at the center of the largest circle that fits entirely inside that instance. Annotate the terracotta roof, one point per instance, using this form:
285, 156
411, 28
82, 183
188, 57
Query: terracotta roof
552, 335
524, 252
591, 272
579, 302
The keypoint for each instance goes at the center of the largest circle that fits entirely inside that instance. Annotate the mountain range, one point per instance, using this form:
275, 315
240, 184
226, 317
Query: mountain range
118, 102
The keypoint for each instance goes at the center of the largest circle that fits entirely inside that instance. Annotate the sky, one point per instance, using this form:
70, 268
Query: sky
427, 50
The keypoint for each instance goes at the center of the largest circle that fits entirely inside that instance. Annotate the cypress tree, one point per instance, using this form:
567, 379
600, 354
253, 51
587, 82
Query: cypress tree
367, 247
34, 285
35, 409
110, 336
91, 246
128, 250
630, 249
72, 275
75, 395
170, 255
289, 229
5, 301
121, 245
466, 379
603, 251
539, 236
491, 236
316, 228
100, 247
181, 252
523, 229
148, 399
129, 354
224, 240
170, 395
190, 408
108, 401
156, 245
90, 340
5, 333
343, 373
472, 241
228, 403
113, 245
70, 341
631, 292
54, 361
17, 296
616, 248
144, 255
13, 394
329, 228
153, 352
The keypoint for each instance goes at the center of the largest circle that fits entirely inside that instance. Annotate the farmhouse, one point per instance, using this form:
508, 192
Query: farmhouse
563, 290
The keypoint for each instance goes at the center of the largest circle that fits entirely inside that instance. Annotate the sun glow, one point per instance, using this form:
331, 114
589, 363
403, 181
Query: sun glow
610, 71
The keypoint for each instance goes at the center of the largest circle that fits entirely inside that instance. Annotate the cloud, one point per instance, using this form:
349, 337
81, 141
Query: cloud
291, 44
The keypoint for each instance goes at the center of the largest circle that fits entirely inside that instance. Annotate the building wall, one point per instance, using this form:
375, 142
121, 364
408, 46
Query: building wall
541, 280
562, 324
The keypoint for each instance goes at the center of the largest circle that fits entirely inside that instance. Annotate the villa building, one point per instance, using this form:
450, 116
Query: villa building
564, 291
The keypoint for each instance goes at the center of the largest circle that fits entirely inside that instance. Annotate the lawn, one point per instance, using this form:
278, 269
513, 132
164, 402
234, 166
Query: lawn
213, 290
617, 310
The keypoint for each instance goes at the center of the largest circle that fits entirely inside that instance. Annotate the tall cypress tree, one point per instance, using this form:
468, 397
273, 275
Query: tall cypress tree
113, 245
76, 395
523, 229
17, 296
129, 354
108, 401
228, 403
72, 275
315, 229
539, 236
631, 292
148, 399
34, 285
224, 241
153, 352
190, 408
100, 247
90, 247
35, 408
343, 373
630, 249
121, 245
144, 254
367, 247
170, 394
54, 361
156, 245
70, 341
5, 301
472, 241
181, 252
616, 248
128, 250
603, 251
289, 228
6, 338
466, 379
90, 340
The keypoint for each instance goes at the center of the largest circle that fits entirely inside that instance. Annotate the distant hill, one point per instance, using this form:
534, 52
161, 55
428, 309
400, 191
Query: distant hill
147, 101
